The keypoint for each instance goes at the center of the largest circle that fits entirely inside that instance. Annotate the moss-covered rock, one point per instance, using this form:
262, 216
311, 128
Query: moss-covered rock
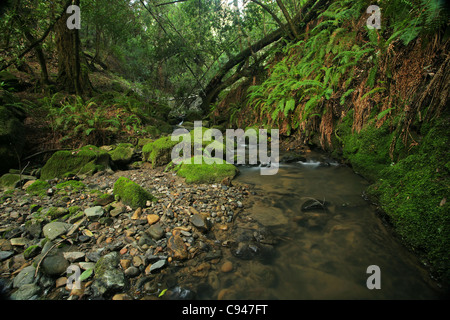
164, 127
55, 212
131, 193
82, 162
10, 181
122, 154
142, 142
38, 188
31, 252
159, 152
153, 131
204, 172
71, 185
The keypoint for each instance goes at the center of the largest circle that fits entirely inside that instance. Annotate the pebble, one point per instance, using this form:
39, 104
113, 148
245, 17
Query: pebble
137, 214
125, 263
167, 229
227, 266
74, 256
132, 272
94, 212
157, 265
152, 218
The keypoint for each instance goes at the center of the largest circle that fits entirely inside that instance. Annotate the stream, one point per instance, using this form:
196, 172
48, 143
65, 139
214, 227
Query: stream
322, 253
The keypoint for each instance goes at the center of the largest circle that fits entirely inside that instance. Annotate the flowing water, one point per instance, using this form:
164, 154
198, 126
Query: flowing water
323, 253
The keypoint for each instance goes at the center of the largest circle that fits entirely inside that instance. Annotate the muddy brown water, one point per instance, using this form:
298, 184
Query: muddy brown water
323, 254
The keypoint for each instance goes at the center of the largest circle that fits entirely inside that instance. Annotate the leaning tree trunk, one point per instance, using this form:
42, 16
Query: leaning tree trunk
71, 77
217, 83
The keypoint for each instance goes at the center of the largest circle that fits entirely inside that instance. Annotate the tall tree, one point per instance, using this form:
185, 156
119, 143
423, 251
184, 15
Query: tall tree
71, 77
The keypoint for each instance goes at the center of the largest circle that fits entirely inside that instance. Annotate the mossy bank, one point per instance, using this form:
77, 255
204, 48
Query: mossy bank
410, 184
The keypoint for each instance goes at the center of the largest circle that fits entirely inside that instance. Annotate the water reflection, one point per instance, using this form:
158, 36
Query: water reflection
324, 254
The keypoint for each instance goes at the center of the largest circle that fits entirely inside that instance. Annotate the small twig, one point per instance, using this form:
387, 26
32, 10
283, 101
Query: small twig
45, 151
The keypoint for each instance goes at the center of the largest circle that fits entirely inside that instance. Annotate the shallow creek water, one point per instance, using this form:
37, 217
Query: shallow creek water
323, 254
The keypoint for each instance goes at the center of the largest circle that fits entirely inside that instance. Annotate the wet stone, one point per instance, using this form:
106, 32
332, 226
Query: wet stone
5, 255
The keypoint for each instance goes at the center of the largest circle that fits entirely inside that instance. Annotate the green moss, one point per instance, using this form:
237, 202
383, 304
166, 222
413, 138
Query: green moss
9, 181
142, 142
368, 150
71, 185
153, 131
73, 210
205, 173
85, 161
123, 153
31, 251
38, 188
159, 152
131, 193
164, 127
413, 194
55, 212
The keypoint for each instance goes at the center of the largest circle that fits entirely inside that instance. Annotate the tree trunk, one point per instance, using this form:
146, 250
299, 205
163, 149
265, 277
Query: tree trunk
288, 19
216, 84
70, 76
41, 58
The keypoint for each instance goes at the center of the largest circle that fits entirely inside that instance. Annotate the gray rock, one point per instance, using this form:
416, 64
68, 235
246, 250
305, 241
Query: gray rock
108, 282
26, 292
94, 212
132, 272
53, 230
156, 231
199, 222
118, 210
19, 242
55, 265
86, 265
74, 256
34, 228
5, 255
108, 261
26, 276
158, 265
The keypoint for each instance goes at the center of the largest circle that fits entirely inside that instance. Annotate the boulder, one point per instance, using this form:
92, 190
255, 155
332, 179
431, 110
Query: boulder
108, 278
131, 193
11, 181
122, 154
27, 292
55, 264
159, 152
204, 172
81, 162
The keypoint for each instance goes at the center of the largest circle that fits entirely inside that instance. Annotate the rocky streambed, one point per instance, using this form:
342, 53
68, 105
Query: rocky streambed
79, 241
